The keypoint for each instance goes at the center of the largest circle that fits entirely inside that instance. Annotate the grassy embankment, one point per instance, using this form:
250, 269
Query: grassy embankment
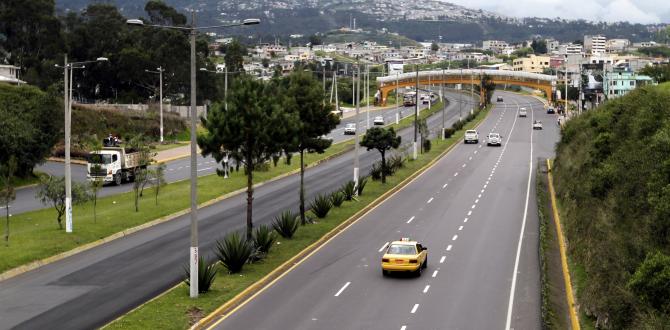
612, 178
35, 235
174, 309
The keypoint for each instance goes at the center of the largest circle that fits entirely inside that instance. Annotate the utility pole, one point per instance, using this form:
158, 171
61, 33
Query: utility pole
194, 172
397, 96
366, 94
460, 96
444, 106
160, 95
225, 88
68, 172
416, 114
357, 81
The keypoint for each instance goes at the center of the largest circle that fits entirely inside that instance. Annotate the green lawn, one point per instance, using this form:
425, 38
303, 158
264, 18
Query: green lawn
31, 179
172, 310
35, 235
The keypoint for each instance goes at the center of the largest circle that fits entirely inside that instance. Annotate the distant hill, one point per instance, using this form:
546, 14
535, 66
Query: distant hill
419, 20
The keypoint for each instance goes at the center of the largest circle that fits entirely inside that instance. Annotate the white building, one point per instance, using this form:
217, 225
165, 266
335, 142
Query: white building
617, 45
10, 74
570, 49
595, 45
496, 46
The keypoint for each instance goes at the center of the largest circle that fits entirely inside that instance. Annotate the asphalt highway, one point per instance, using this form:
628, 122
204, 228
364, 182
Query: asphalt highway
179, 169
476, 212
92, 288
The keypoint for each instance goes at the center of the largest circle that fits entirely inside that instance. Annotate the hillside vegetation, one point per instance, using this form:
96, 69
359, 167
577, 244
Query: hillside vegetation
613, 180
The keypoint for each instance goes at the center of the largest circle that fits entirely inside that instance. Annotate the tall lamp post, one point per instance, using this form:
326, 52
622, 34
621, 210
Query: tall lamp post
68, 68
160, 102
192, 30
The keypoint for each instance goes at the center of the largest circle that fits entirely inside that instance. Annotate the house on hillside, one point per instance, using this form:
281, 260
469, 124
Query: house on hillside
10, 74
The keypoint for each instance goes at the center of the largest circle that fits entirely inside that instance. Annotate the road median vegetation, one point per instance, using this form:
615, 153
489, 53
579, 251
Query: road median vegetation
175, 310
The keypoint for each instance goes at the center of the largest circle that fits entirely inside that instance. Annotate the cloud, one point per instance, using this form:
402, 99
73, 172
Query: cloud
635, 11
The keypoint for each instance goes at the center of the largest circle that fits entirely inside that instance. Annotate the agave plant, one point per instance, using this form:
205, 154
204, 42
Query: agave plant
376, 170
349, 190
361, 184
264, 238
321, 205
206, 274
337, 198
286, 224
234, 252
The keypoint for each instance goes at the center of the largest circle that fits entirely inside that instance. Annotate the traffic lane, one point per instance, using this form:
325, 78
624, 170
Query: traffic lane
353, 257
95, 277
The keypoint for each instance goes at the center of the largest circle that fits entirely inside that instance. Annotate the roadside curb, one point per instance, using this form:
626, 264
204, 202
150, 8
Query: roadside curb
269, 279
43, 262
61, 160
574, 320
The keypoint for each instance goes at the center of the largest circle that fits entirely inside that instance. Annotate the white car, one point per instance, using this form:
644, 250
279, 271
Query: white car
350, 129
523, 112
494, 139
379, 120
471, 136
537, 124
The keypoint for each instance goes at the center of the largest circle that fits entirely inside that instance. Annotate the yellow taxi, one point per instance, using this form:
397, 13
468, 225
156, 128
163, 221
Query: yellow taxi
405, 255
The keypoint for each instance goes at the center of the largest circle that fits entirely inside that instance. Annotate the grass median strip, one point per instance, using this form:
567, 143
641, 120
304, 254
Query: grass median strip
175, 310
35, 234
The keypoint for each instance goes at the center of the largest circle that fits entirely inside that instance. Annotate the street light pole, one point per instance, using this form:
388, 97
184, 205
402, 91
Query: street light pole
416, 114
68, 172
444, 106
194, 171
366, 94
356, 91
397, 95
160, 71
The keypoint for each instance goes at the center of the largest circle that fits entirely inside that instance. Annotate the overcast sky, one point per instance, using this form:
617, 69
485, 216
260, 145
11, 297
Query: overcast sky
636, 11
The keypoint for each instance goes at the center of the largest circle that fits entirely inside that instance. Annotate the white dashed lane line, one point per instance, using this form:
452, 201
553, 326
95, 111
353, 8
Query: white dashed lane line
205, 169
383, 247
343, 288
465, 220
404, 327
410, 220
449, 248
442, 259
430, 200
469, 213
456, 174
460, 228
445, 185
435, 274
416, 306
454, 238
426, 288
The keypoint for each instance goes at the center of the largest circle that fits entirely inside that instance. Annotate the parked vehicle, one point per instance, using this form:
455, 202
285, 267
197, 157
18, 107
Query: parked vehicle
113, 163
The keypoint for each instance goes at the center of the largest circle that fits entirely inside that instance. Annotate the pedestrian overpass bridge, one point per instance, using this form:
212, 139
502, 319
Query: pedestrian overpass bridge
543, 82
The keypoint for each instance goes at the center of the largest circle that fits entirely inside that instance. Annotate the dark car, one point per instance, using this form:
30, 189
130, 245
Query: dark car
550, 110
500, 99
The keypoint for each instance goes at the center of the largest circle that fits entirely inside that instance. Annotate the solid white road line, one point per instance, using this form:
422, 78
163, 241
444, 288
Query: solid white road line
416, 306
430, 200
426, 288
523, 227
410, 219
383, 247
449, 248
344, 287
442, 259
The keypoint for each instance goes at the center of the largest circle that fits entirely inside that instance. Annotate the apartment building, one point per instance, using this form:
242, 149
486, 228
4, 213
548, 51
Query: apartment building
496, 46
532, 63
595, 45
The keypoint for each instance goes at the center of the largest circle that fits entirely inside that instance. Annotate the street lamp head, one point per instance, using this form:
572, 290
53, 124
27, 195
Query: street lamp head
102, 59
138, 22
251, 21
203, 69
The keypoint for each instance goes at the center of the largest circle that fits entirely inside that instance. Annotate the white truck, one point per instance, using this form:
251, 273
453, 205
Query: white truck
113, 164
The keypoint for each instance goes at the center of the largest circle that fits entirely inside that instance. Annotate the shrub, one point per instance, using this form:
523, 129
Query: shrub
321, 205
426, 145
234, 252
448, 132
206, 274
394, 163
458, 125
349, 190
286, 224
376, 171
362, 181
264, 238
337, 198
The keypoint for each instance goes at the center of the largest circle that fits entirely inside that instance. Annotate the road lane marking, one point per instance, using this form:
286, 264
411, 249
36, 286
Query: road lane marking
482, 191
449, 248
476, 200
470, 158
465, 220
473, 206
480, 195
205, 169
426, 288
454, 238
442, 259
445, 185
383, 247
523, 225
469, 213
475, 151
464, 165
404, 327
456, 174
410, 219
435, 273
430, 200
460, 228
416, 306
344, 287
